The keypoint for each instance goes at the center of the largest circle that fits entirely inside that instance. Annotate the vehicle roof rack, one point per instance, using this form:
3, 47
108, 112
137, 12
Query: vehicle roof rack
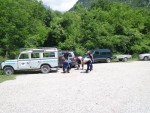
37, 48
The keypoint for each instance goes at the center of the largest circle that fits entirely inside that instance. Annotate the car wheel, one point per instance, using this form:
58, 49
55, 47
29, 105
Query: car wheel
108, 60
8, 70
145, 58
125, 60
45, 69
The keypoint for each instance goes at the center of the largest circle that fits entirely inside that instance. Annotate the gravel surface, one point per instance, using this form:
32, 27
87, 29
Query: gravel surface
109, 88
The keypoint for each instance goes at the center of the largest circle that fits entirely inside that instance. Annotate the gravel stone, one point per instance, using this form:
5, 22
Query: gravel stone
110, 88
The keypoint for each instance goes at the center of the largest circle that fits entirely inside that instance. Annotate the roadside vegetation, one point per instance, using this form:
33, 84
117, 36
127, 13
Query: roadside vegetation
5, 77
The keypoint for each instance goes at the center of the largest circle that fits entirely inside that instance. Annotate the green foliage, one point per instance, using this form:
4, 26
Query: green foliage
21, 20
116, 26
5, 77
135, 3
103, 24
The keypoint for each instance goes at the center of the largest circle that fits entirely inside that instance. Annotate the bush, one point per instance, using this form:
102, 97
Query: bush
2, 59
80, 51
1, 72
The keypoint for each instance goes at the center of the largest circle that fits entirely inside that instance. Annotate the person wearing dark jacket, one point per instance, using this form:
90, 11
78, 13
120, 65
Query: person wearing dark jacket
66, 55
91, 57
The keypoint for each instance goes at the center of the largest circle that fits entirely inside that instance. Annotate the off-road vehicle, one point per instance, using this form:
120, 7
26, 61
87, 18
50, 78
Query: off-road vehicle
44, 59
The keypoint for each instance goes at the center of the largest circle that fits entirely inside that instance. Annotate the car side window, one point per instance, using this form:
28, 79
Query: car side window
96, 52
49, 54
103, 53
108, 53
35, 55
24, 56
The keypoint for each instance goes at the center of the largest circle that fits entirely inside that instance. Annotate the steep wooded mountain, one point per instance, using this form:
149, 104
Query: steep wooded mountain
113, 25
136, 3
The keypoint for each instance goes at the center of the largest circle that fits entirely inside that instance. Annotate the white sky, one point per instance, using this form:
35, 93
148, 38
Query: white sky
60, 5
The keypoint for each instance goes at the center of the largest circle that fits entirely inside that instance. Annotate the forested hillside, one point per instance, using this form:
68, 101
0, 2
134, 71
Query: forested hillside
22, 24
136, 3
117, 26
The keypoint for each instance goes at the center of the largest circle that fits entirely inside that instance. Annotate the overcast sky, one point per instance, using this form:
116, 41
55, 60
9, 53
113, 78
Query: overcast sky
60, 5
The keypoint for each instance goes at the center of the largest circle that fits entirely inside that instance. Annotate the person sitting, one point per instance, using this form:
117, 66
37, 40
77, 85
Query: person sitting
79, 62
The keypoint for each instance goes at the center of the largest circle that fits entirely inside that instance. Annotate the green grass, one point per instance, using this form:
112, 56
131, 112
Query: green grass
6, 77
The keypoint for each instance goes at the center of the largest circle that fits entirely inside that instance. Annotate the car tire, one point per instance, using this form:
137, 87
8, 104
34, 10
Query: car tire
45, 68
125, 59
8, 71
145, 58
120, 59
108, 60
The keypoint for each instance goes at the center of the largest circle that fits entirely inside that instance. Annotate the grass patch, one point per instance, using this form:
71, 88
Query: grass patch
6, 77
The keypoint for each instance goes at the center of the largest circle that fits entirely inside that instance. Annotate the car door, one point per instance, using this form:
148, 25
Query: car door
103, 55
35, 60
50, 58
96, 56
24, 61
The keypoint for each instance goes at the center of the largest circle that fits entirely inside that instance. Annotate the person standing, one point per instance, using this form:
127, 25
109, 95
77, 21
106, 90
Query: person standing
66, 55
91, 57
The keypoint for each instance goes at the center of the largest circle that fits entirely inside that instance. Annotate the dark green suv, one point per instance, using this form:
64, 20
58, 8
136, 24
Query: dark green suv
101, 55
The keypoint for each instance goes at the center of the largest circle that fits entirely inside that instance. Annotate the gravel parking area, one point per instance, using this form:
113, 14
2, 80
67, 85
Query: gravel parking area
109, 88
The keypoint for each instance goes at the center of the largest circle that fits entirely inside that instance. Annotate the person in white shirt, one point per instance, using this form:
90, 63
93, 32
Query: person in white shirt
79, 62
89, 63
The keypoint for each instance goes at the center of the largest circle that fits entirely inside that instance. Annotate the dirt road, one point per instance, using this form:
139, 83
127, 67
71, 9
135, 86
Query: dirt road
109, 88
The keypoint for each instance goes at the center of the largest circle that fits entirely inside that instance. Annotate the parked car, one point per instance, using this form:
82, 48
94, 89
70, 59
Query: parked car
123, 58
145, 56
72, 57
44, 59
101, 55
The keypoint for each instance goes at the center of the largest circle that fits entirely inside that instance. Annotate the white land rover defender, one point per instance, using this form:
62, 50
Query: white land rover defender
45, 59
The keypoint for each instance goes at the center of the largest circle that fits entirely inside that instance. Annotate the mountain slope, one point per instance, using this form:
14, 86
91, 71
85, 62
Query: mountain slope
136, 3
